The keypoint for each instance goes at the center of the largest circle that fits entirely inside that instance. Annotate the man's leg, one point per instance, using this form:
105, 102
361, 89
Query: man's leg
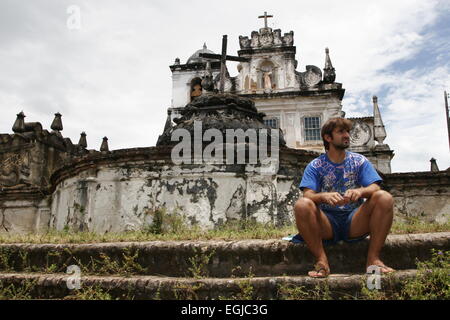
314, 226
375, 217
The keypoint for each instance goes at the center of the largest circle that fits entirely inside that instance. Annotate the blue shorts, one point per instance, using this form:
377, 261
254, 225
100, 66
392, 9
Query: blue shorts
340, 222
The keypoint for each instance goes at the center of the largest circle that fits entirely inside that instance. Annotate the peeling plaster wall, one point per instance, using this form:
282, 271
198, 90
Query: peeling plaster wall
118, 198
24, 216
115, 192
423, 195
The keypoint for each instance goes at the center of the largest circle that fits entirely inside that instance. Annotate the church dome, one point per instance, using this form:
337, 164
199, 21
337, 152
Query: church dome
195, 58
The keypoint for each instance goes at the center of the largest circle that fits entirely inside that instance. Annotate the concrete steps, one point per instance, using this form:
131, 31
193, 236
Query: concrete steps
263, 269
214, 258
337, 286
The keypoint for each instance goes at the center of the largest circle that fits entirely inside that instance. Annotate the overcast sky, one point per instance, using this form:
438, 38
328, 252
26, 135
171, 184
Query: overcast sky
111, 77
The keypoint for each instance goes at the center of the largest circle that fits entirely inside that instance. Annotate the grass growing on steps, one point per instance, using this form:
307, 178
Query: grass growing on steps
173, 227
432, 282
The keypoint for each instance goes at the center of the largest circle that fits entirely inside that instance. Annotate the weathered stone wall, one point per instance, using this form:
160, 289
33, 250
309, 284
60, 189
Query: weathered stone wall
424, 195
24, 210
121, 191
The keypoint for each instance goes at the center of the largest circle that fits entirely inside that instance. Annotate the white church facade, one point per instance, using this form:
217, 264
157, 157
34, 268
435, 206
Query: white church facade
296, 102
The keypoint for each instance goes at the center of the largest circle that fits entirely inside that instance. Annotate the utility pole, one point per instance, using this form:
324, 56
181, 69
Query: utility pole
447, 116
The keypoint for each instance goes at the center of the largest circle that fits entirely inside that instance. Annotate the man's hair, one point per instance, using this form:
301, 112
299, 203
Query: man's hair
330, 125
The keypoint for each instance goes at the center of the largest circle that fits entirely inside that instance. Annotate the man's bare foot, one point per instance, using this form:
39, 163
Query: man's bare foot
383, 268
321, 270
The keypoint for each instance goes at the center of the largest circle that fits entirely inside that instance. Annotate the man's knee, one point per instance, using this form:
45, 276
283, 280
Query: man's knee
304, 206
383, 198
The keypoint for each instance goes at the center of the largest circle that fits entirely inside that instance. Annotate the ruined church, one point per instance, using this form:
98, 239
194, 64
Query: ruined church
49, 182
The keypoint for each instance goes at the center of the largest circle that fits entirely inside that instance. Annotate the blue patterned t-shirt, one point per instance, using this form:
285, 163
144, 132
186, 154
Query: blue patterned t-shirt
322, 175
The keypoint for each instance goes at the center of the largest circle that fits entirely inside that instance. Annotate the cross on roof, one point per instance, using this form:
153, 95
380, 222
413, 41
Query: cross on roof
223, 58
265, 16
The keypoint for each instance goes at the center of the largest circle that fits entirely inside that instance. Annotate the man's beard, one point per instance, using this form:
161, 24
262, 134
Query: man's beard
341, 146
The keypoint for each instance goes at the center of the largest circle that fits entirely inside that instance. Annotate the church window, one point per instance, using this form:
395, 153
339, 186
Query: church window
312, 128
272, 122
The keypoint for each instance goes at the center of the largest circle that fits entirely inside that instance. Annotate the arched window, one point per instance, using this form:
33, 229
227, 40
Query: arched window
196, 88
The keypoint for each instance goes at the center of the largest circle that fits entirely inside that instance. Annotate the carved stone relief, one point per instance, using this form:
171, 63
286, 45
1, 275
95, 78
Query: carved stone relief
312, 76
360, 133
15, 168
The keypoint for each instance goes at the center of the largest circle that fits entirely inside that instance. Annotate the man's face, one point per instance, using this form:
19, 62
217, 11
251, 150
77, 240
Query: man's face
340, 138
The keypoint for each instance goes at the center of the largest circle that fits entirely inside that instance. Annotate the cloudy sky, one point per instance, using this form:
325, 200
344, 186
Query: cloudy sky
109, 75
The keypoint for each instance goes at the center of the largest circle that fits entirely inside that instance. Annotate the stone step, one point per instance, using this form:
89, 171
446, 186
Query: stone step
213, 258
336, 286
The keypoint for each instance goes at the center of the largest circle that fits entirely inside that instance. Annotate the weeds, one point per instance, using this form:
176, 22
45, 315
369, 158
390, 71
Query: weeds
126, 266
199, 264
17, 292
432, 281
183, 291
417, 225
166, 227
95, 292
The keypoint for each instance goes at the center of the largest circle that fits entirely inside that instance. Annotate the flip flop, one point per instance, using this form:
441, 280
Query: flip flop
321, 271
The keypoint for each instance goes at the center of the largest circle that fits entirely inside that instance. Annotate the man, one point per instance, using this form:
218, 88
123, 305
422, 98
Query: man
332, 207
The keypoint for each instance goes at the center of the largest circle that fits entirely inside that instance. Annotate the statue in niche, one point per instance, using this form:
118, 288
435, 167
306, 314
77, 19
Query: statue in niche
196, 88
267, 80
266, 75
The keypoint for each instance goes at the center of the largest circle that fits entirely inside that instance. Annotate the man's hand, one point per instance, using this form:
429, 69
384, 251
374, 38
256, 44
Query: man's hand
333, 199
353, 195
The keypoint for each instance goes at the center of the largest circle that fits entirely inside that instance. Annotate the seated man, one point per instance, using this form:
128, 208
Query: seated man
332, 207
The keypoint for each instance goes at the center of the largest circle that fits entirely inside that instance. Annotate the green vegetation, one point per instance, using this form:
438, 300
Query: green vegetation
199, 264
167, 227
416, 225
17, 292
432, 282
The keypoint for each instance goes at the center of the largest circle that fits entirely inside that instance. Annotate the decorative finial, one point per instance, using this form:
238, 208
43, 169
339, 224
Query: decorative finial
204, 46
57, 123
434, 166
207, 81
168, 124
19, 124
82, 142
177, 61
104, 147
378, 126
329, 74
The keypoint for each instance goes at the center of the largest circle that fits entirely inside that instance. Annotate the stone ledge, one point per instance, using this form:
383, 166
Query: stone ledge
259, 257
152, 287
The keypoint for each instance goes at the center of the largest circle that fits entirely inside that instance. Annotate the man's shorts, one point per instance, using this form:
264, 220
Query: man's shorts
340, 222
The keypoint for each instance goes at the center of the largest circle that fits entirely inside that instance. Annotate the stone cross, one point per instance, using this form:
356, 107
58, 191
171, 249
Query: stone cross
265, 16
223, 59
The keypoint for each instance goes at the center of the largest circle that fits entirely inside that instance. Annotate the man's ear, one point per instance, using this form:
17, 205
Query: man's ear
327, 137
